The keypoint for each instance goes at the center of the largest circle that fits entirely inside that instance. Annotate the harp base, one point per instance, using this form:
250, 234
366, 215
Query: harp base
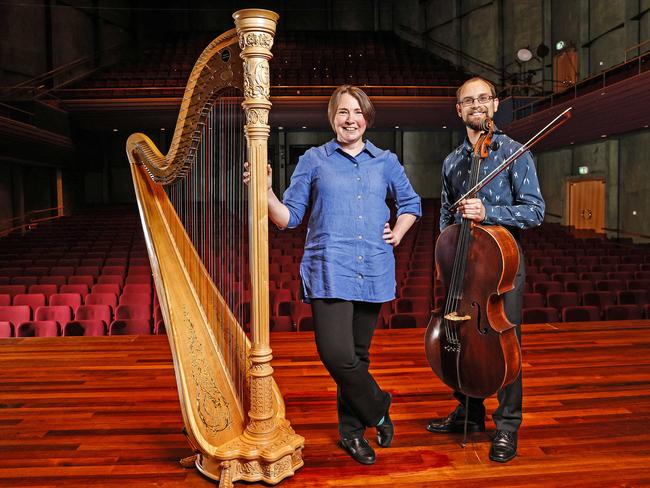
248, 460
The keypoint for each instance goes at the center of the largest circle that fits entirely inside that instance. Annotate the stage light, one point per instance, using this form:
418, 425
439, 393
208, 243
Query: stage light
524, 55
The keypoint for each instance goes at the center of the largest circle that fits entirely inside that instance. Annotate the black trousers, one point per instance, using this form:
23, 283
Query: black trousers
344, 331
508, 415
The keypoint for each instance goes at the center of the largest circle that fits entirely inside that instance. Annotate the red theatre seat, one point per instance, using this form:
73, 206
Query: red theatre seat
32, 300
632, 297
299, 310
585, 313
87, 280
61, 314
15, 314
45, 289
89, 320
623, 312
281, 323
135, 299
111, 279
600, 299
579, 286
101, 299
38, 328
125, 312
130, 327
12, 290
539, 315
409, 320
559, 300
6, 329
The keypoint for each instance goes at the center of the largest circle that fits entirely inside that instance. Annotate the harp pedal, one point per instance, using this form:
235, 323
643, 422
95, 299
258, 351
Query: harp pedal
453, 316
188, 462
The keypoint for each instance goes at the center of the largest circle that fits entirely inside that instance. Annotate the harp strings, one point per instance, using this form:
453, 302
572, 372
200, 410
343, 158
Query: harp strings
212, 204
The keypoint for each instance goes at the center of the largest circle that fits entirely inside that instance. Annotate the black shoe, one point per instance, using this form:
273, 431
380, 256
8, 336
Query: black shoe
385, 432
455, 422
504, 446
358, 449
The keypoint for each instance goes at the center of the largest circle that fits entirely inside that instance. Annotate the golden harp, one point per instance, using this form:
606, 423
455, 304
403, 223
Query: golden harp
205, 240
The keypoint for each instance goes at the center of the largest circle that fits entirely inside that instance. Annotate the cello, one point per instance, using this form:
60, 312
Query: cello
471, 345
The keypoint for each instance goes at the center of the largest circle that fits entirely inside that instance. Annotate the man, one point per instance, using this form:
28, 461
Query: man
512, 200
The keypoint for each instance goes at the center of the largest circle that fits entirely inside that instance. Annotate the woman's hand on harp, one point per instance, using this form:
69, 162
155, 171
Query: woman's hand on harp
269, 174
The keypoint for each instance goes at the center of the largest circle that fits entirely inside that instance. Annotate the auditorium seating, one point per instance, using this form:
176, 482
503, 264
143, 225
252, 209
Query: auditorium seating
302, 63
563, 272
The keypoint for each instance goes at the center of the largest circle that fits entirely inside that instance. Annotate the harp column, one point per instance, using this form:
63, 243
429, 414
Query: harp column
255, 29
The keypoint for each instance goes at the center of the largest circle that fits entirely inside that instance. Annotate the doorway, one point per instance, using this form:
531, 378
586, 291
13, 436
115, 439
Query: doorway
585, 204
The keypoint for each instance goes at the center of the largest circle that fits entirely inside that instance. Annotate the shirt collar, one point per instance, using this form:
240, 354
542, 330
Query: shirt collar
368, 147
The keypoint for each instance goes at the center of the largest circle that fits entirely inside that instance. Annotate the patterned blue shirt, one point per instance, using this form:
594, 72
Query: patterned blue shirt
512, 199
345, 255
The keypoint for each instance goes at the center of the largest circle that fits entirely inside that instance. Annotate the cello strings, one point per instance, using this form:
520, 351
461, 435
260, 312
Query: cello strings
460, 265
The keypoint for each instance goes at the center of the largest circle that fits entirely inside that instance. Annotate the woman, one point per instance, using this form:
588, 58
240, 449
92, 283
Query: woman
348, 268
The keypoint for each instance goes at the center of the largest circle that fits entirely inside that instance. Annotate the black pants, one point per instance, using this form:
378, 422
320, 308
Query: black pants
508, 415
343, 332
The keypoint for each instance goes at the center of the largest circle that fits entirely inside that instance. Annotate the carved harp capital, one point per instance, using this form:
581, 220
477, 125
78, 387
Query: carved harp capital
255, 34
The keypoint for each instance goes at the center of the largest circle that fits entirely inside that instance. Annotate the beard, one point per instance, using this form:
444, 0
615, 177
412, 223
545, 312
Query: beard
474, 123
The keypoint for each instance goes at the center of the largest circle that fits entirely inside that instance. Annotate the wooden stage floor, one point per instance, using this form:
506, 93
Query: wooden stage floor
104, 412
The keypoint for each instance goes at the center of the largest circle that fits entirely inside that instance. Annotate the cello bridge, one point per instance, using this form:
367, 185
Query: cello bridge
453, 316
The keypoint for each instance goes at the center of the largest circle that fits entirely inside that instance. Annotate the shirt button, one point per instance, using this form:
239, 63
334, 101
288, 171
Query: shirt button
358, 197
360, 217
360, 277
360, 258
358, 178
356, 164
360, 237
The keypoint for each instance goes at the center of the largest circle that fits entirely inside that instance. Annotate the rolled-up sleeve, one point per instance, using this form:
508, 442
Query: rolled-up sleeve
296, 197
406, 200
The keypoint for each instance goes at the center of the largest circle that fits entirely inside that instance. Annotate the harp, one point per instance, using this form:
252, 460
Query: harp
202, 237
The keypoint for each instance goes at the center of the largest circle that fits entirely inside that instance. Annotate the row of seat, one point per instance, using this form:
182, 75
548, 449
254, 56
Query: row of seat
545, 287
585, 313
588, 297
93, 270
88, 319
107, 294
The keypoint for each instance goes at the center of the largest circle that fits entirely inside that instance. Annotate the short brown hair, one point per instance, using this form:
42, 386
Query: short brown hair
367, 108
493, 90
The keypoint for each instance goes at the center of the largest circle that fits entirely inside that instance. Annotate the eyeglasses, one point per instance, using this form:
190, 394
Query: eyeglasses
483, 99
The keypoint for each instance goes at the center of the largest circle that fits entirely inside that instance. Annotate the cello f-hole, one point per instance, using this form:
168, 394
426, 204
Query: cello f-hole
481, 330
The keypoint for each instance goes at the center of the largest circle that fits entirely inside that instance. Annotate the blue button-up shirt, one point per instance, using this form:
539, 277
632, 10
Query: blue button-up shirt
345, 254
512, 199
